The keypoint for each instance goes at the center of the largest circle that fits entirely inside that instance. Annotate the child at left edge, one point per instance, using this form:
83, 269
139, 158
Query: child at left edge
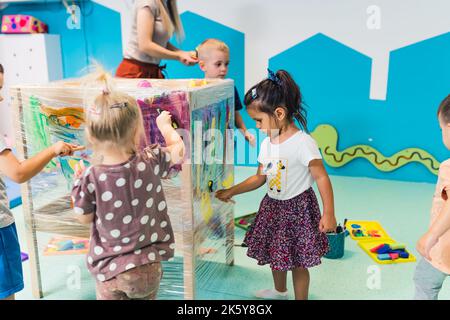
11, 275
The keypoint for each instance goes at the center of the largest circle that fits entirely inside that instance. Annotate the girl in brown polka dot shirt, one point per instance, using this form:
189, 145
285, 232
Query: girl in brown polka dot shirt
121, 195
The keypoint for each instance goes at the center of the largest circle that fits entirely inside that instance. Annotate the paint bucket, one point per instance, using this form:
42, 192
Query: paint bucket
336, 242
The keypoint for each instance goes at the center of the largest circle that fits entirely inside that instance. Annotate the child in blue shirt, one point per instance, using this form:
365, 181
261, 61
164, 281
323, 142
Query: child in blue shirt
213, 59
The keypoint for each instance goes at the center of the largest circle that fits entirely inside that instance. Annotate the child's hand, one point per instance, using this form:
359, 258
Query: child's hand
425, 244
250, 138
78, 170
163, 120
225, 195
62, 148
327, 223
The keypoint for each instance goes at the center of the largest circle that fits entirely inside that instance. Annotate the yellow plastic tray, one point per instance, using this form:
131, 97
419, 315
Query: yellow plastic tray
366, 227
369, 244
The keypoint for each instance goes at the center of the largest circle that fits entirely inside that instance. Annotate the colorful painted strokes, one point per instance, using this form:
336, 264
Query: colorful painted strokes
326, 137
176, 103
213, 172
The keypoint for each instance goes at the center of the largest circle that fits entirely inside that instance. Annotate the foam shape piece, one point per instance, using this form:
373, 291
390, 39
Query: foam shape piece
393, 256
395, 246
384, 256
404, 255
375, 249
397, 251
384, 249
372, 233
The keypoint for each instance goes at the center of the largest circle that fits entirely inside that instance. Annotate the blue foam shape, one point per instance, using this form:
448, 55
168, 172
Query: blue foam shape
384, 256
384, 249
397, 251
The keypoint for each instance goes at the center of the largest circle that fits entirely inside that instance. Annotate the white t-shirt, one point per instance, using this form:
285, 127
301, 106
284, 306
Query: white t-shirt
287, 165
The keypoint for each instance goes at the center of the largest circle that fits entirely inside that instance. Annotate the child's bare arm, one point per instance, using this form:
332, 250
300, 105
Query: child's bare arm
437, 229
318, 172
441, 225
250, 184
241, 126
174, 143
239, 122
23, 171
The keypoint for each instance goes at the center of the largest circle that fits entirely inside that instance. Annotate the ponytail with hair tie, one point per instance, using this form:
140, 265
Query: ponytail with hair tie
279, 89
274, 77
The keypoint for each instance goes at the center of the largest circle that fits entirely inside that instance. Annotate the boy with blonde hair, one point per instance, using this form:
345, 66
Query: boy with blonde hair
214, 58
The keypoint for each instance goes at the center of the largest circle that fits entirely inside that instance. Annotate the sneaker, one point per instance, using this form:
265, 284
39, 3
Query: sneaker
271, 294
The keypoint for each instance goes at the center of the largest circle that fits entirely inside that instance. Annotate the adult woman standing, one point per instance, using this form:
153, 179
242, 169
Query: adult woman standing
154, 23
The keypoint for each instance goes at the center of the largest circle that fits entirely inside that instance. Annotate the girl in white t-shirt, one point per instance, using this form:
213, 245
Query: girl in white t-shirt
289, 231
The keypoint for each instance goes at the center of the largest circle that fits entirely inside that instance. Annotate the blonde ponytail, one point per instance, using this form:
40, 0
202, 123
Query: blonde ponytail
113, 118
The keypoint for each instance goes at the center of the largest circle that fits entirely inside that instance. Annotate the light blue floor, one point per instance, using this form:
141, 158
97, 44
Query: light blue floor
402, 209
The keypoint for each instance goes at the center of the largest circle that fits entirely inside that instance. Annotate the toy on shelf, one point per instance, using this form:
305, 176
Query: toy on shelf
376, 242
67, 245
22, 24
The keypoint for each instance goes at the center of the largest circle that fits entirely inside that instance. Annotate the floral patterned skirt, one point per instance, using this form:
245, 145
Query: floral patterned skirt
285, 233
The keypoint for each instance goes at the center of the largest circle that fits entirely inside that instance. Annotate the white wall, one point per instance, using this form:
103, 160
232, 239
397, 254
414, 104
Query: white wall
26, 59
273, 26
373, 27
